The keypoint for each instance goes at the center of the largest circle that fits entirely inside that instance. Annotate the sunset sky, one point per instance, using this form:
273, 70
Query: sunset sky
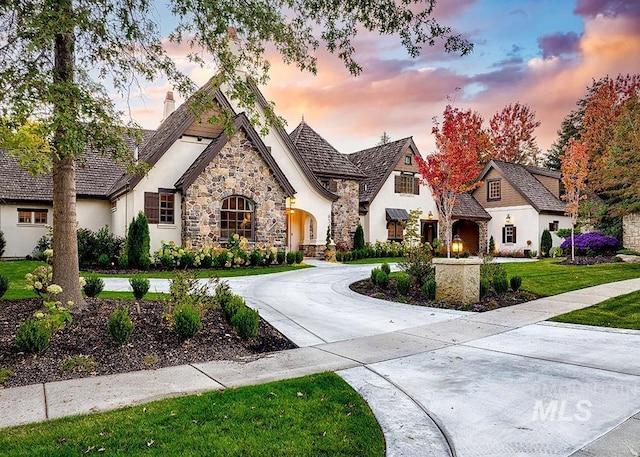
543, 53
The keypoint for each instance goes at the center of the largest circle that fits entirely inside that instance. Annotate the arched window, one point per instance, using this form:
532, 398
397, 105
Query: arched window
237, 215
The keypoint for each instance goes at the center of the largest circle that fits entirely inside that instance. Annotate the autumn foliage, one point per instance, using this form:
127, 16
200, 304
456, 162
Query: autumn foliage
574, 164
511, 133
454, 167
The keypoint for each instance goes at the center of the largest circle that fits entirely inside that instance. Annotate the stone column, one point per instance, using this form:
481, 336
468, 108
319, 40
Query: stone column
457, 280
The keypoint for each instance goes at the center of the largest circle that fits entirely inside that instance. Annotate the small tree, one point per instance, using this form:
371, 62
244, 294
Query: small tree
453, 169
139, 242
492, 245
575, 166
412, 228
358, 238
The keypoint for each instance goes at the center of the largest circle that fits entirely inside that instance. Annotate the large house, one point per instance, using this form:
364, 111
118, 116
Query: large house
286, 190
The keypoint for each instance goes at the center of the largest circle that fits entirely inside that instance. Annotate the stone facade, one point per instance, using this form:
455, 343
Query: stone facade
345, 216
631, 231
238, 169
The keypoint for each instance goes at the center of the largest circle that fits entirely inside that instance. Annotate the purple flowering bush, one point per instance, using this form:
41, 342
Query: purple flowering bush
591, 243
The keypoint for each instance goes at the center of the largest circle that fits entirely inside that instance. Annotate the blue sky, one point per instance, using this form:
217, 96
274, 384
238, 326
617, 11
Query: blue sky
543, 53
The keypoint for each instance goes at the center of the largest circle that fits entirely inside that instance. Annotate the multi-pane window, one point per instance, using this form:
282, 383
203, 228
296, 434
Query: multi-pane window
407, 183
394, 231
167, 201
237, 215
553, 226
32, 216
493, 190
407, 160
508, 234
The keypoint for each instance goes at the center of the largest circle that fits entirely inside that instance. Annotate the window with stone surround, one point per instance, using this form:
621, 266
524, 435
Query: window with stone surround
237, 215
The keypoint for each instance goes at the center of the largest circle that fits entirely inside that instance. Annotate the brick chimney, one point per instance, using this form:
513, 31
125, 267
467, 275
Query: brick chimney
169, 105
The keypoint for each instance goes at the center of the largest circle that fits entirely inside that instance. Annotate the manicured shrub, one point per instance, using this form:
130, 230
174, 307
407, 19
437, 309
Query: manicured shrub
291, 258
492, 245
484, 287
86, 247
374, 274
186, 321
93, 285
545, 243
403, 283
386, 268
138, 243
4, 285
299, 256
188, 260
490, 269
358, 238
206, 261
120, 325
382, 279
417, 264
123, 262
139, 285
167, 262
429, 289
555, 251
104, 261
222, 295
33, 336
500, 284
3, 243
232, 306
281, 257
515, 282
245, 322
220, 260
593, 243
255, 258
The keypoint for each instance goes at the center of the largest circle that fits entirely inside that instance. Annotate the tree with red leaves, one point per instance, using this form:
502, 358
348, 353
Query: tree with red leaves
574, 164
454, 167
511, 132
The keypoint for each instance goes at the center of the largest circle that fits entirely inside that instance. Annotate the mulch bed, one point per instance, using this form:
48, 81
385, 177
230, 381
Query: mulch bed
153, 343
590, 260
416, 297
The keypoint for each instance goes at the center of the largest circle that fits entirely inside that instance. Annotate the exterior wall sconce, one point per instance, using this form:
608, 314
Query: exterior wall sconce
507, 219
291, 204
456, 245
430, 215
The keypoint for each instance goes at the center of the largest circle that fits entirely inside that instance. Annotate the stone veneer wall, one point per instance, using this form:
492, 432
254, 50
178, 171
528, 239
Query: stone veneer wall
631, 231
345, 216
238, 169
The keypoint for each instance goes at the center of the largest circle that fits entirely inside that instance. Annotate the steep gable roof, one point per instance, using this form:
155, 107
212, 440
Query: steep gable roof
377, 163
213, 149
96, 173
467, 207
169, 132
522, 179
323, 159
304, 166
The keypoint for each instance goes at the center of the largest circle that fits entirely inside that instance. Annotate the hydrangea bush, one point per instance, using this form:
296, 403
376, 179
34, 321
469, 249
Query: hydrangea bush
591, 243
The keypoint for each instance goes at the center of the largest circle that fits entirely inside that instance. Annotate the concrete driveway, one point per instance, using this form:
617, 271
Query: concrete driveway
441, 383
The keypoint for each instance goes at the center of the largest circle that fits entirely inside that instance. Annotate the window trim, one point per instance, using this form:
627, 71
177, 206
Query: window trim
489, 183
226, 232
408, 160
33, 213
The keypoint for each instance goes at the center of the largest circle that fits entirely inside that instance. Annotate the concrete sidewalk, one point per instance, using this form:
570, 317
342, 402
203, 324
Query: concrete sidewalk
502, 382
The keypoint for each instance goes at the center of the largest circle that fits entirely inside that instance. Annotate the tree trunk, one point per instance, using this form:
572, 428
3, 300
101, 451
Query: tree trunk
65, 238
66, 269
573, 245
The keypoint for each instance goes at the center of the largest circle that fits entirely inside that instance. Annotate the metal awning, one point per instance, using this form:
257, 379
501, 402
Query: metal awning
397, 214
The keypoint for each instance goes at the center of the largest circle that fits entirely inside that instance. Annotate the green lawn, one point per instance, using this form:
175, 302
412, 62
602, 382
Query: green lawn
208, 273
545, 277
310, 416
618, 312
15, 270
375, 260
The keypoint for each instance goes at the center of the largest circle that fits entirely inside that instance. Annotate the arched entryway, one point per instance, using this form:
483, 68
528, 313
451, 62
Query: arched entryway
470, 234
302, 232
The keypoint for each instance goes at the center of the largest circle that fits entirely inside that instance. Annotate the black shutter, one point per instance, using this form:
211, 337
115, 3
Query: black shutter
416, 186
152, 207
398, 184
514, 234
504, 235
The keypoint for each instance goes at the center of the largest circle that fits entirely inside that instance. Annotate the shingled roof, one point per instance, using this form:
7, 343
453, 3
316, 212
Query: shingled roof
213, 149
323, 159
467, 207
522, 179
96, 174
377, 163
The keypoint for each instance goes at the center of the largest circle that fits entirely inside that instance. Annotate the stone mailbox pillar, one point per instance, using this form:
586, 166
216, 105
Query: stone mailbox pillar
457, 280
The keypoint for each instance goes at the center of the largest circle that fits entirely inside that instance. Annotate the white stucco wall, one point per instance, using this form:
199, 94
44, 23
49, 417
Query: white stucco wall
529, 226
93, 214
21, 238
375, 222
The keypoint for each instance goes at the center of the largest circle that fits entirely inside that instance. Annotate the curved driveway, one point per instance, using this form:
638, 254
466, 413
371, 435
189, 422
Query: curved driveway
441, 383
